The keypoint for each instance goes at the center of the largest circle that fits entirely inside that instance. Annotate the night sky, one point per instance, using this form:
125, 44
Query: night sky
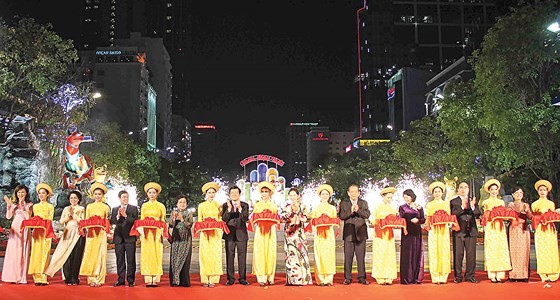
255, 66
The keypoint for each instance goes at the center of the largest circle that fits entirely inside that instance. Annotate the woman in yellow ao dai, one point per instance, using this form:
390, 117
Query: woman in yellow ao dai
439, 249
384, 260
94, 261
151, 242
40, 244
264, 243
546, 236
324, 240
210, 254
496, 247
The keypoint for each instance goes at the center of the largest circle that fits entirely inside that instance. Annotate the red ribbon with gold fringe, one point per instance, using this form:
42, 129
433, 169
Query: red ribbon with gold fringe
38, 222
209, 224
94, 222
149, 222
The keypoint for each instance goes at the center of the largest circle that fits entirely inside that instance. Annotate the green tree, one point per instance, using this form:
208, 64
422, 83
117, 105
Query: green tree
468, 144
517, 72
423, 150
182, 179
124, 158
33, 61
40, 76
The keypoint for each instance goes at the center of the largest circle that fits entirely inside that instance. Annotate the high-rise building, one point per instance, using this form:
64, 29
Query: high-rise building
428, 35
128, 98
181, 139
340, 142
158, 63
297, 149
406, 98
105, 21
204, 145
317, 147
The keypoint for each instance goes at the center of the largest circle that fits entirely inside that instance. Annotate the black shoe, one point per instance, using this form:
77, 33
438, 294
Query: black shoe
347, 281
118, 283
458, 280
230, 282
131, 284
363, 281
476, 281
243, 282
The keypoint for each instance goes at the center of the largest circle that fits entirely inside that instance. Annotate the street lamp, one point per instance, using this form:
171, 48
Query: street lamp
96, 95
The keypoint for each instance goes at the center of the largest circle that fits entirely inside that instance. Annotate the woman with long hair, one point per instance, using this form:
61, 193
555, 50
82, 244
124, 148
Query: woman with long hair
18, 207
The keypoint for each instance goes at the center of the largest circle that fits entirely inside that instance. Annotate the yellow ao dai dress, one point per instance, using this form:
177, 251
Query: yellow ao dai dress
546, 243
40, 244
384, 259
151, 243
94, 261
324, 246
496, 247
210, 254
264, 246
439, 249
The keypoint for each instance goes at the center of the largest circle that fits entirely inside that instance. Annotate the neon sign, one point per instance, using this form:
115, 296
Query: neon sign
204, 126
320, 137
261, 157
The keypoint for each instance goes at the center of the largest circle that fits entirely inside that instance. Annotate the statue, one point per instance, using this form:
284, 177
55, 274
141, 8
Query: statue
79, 168
450, 188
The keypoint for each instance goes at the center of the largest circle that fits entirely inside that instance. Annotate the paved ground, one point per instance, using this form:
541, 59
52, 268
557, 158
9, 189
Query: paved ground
111, 262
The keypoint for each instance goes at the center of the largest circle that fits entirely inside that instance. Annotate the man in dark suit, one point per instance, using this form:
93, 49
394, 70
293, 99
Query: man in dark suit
236, 214
464, 240
123, 218
354, 213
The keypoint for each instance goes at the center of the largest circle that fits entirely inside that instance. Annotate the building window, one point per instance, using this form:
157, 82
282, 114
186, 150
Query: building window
168, 17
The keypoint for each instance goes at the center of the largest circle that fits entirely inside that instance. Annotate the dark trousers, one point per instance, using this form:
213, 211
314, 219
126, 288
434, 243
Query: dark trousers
351, 248
184, 273
129, 268
71, 267
462, 244
241, 259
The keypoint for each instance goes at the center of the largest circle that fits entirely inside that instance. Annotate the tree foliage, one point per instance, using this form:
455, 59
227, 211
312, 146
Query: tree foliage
124, 158
423, 150
517, 72
34, 60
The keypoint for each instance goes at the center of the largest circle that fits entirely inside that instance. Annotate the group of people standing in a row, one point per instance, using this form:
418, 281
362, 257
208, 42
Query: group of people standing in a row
28, 251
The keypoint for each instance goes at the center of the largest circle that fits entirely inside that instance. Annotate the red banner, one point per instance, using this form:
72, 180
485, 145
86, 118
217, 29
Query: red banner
38, 222
210, 224
149, 222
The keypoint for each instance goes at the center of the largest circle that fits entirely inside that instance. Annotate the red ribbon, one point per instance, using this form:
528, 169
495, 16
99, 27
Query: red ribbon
546, 219
441, 217
499, 213
392, 221
149, 222
210, 224
264, 219
38, 222
94, 222
2, 230
322, 224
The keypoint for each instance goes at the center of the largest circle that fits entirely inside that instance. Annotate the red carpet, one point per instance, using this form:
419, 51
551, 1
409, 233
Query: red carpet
426, 291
